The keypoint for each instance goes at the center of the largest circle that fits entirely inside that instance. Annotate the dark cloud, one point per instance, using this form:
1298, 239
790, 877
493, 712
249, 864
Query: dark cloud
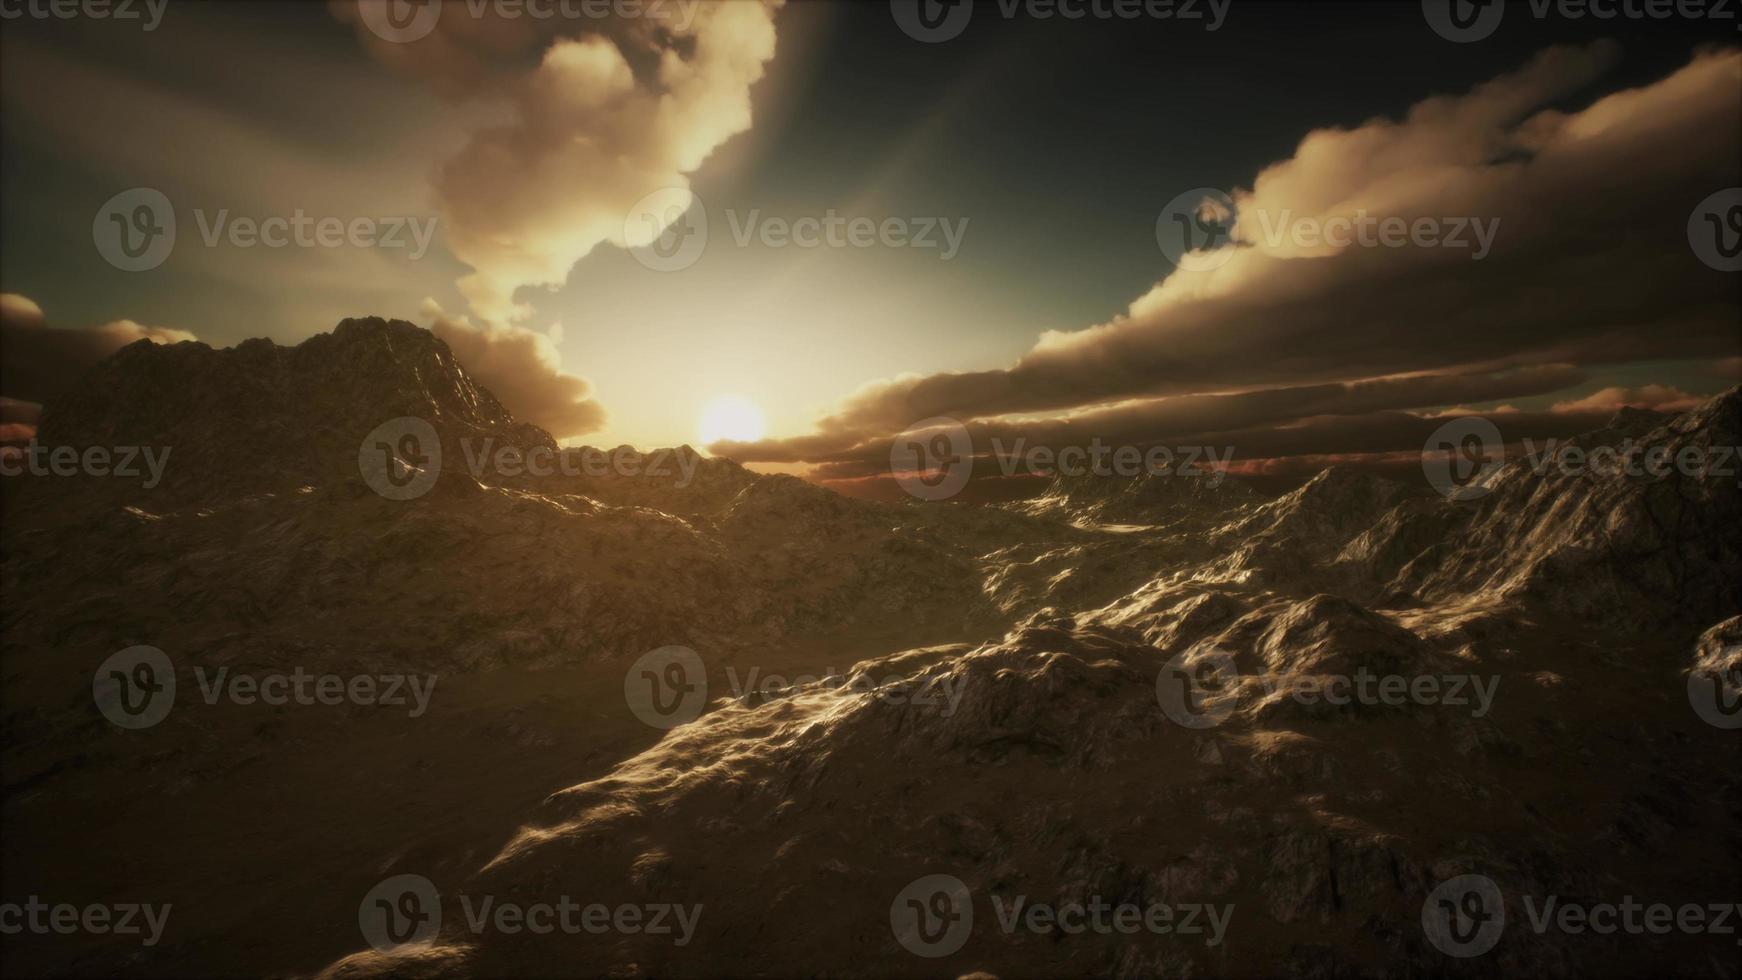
522, 368
1583, 269
38, 361
1199, 416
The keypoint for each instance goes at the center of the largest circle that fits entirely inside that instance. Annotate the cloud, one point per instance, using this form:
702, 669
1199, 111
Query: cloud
38, 361
1197, 418
523, 369
20, 311
1579, 274
1662, 398
611, 111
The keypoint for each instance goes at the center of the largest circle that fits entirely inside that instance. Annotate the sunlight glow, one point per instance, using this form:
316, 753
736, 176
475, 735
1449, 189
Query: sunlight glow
732, 417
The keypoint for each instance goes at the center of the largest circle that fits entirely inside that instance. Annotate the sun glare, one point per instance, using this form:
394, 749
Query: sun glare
731, 417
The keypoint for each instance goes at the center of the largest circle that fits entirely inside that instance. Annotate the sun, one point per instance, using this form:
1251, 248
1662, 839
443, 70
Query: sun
733, 418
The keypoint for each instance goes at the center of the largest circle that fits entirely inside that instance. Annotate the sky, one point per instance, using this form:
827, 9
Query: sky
1014, 185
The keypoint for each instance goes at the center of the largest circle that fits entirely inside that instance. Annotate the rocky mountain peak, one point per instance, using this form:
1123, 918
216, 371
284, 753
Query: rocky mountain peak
259, 416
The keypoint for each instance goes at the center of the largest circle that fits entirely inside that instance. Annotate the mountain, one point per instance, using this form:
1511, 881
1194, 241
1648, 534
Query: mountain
1054, 778
886, 692
260, 417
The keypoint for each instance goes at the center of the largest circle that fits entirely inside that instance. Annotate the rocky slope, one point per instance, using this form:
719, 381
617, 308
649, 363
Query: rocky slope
260, 417
999, 699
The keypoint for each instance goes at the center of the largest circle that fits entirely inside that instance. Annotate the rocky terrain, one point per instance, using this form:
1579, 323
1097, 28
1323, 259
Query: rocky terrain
985, 693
